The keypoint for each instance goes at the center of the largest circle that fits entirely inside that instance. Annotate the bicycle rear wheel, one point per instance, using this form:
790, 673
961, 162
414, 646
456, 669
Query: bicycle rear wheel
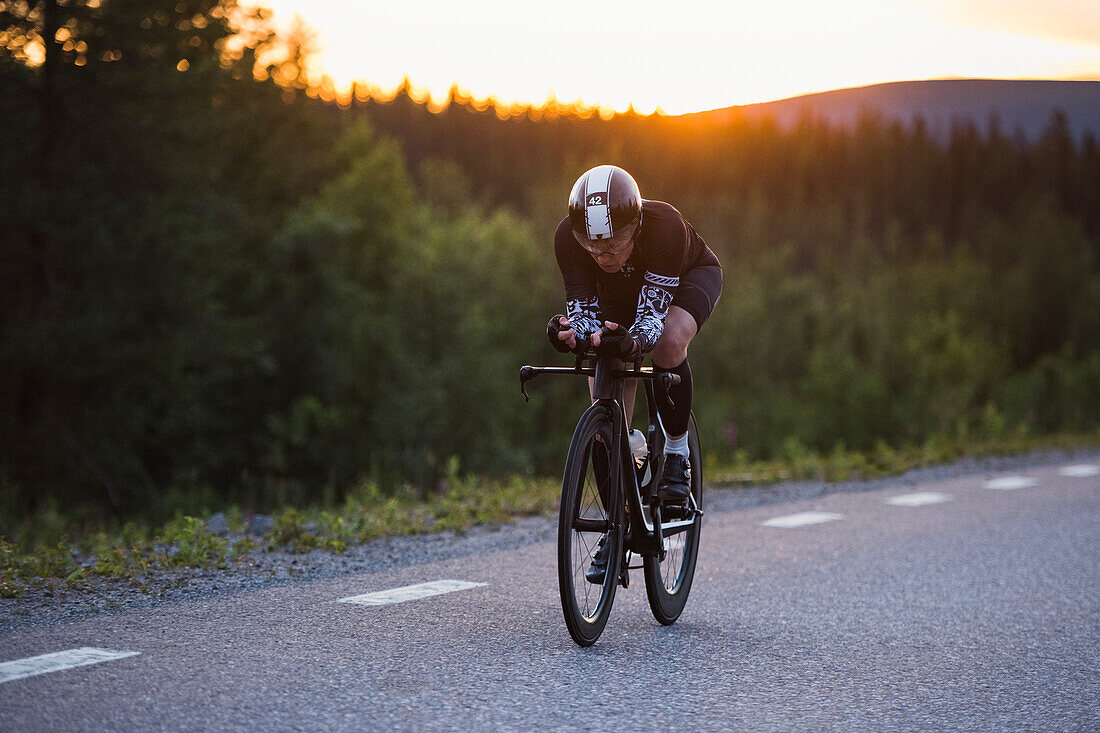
668, 583
590, 517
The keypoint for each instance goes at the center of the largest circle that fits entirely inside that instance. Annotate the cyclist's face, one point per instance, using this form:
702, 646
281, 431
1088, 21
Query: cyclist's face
611, 254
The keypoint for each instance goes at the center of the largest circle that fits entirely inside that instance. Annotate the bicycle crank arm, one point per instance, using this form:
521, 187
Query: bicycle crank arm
673, 513
658, 534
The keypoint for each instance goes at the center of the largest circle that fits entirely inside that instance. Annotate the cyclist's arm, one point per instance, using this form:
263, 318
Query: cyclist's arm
584, 316
669, 243
581, 304
654, 300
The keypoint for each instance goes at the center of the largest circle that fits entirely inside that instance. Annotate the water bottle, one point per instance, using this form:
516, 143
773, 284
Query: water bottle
640, 453
637, 447
638, 450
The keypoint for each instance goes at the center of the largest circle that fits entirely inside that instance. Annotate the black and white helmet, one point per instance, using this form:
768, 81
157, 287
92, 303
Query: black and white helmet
604, 202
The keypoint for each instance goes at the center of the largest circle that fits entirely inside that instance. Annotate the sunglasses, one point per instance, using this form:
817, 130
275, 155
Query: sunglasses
612, 250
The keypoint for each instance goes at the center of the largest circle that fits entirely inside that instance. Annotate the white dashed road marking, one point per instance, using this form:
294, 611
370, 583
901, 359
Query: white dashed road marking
1083, 471
410, 592
802, 519
58, 661
920, 498
1010, 483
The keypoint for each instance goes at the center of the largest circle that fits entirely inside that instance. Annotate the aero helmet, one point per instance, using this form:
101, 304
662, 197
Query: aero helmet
604, 202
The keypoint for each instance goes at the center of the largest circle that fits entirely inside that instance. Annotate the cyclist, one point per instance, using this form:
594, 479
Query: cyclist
638, 278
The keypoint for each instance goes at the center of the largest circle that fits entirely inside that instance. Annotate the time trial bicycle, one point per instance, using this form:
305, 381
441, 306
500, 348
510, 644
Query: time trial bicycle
609, 497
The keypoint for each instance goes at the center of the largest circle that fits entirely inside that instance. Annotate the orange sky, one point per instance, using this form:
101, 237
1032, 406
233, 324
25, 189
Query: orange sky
690, 55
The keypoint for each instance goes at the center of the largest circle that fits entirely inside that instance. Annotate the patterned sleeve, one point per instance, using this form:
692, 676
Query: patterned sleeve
584, 315
653, 304
579, 277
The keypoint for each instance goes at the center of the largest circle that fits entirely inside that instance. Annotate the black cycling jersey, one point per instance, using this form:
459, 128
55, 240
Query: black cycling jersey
665, 248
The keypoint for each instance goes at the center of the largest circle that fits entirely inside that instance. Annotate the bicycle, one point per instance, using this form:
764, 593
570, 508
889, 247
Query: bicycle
610, 497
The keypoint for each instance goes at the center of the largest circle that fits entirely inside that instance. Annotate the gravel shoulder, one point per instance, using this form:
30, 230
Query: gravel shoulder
46, 606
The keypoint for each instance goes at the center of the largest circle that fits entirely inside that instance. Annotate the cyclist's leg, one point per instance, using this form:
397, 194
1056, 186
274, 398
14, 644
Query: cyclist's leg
630, 389
670, 355
699, 291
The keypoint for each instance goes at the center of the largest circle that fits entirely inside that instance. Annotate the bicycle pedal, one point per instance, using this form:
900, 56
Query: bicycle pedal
624, 577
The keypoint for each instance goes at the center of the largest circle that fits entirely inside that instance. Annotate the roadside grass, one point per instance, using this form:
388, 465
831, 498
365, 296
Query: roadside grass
799, 463
49, 552
72, 557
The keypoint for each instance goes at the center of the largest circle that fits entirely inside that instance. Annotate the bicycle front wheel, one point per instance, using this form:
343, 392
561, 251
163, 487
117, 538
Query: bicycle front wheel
589, 525
668, 582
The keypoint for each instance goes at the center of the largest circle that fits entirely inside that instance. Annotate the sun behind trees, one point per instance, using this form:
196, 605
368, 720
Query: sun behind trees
216, 289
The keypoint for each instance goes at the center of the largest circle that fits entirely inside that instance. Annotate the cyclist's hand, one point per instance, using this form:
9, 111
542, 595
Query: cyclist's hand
615, 339
561, 336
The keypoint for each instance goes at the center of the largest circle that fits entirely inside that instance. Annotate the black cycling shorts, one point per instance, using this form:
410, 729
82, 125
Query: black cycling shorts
699, 291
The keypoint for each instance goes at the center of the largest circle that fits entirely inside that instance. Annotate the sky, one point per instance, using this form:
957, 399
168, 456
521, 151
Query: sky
688, 55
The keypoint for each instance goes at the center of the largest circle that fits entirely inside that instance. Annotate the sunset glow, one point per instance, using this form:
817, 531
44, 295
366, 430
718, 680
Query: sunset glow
697, 56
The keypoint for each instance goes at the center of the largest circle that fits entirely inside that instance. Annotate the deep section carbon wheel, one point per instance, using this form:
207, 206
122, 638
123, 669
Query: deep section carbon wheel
589, 526
668, 581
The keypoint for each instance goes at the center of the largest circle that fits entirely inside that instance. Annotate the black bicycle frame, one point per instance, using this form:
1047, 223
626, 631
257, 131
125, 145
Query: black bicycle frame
645, 536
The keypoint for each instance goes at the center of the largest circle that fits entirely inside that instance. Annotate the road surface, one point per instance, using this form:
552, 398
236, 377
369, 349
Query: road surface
964, 604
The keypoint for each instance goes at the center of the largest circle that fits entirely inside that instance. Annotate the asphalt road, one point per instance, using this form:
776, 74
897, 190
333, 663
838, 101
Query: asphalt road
980, 612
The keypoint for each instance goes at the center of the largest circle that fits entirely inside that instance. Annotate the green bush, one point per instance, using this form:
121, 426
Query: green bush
194, 545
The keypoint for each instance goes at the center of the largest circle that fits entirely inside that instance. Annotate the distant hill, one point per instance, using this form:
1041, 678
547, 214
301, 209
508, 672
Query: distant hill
1019, 106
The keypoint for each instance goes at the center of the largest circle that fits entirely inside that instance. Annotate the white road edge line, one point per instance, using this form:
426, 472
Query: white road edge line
920, 498
58, 661
1085, 470
802, 519
410, 592
1011, 483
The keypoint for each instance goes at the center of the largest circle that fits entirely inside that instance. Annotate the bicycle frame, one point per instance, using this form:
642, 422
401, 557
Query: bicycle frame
645, 530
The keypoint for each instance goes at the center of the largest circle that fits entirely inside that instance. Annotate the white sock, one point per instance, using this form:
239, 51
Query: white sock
675, 445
